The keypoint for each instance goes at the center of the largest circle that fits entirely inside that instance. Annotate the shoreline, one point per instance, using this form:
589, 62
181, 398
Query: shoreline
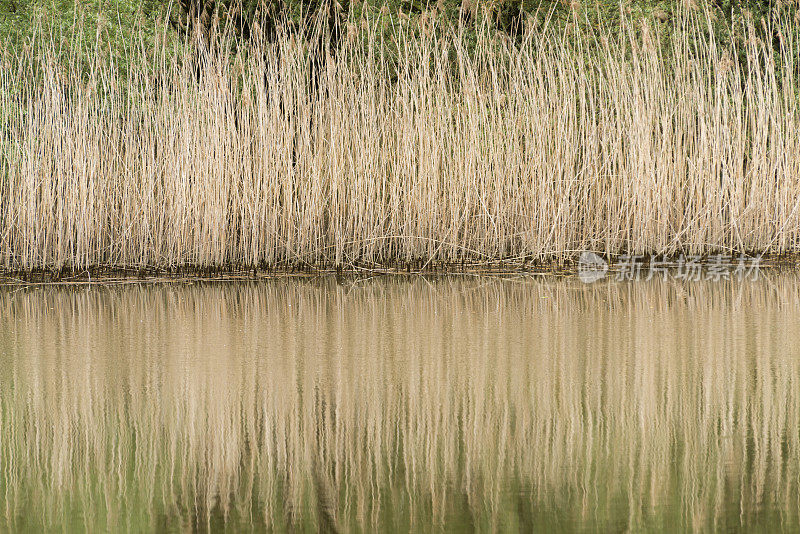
557, 268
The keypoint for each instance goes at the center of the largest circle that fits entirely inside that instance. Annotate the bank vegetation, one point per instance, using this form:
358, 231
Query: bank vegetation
416, 145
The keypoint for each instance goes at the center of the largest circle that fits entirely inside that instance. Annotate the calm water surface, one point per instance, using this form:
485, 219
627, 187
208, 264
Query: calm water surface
404, 404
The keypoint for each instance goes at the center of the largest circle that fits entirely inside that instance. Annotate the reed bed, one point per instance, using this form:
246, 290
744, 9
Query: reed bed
412, 145
405, 405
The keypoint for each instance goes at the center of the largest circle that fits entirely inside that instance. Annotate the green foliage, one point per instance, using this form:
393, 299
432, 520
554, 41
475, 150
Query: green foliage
122, 20
119, 22
118, 25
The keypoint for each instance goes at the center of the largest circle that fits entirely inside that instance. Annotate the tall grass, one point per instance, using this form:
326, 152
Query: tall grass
417, 147
402, 405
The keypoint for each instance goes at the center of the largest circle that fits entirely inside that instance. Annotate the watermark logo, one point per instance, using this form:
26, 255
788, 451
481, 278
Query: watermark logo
592, 267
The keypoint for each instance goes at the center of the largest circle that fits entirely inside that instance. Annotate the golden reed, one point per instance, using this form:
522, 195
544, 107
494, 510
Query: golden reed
662, 140
402, 404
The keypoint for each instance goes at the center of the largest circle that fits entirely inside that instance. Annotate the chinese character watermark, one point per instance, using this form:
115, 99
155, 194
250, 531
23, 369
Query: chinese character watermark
716, 267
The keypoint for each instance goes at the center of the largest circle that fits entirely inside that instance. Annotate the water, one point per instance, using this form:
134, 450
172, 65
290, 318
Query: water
402, 404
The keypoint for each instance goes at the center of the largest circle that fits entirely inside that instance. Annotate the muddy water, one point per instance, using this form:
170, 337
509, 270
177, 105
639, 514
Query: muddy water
402, 404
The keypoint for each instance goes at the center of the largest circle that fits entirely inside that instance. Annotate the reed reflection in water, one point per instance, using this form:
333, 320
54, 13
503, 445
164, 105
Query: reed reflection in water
402, 404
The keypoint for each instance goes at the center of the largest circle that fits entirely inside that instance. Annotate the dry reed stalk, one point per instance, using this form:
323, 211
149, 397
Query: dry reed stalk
537, 149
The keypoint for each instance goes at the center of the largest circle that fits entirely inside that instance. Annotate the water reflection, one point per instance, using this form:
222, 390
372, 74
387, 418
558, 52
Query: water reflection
402, 403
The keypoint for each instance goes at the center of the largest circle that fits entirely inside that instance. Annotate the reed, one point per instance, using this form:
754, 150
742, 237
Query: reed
401, 404
419, 146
